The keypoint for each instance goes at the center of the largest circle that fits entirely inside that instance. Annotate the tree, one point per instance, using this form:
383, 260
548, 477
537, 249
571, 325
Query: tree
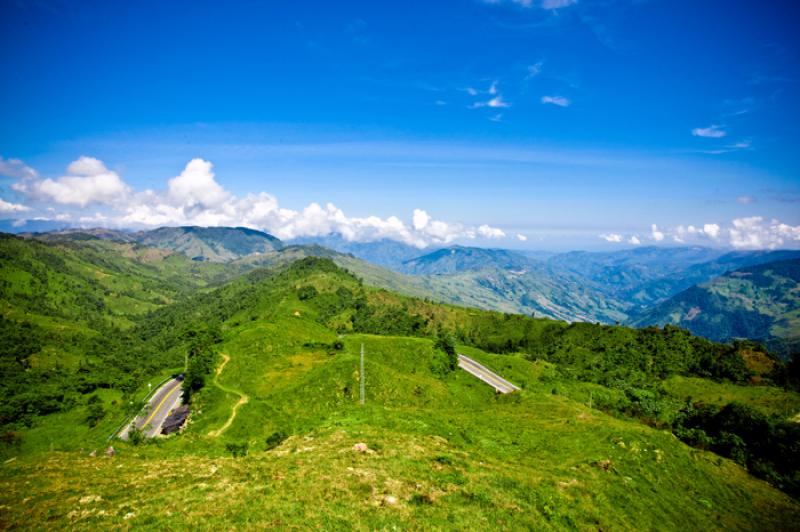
445, 343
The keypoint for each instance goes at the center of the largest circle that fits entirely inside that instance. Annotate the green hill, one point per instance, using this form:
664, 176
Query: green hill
68, 312
276, 417
216, 244
759, 302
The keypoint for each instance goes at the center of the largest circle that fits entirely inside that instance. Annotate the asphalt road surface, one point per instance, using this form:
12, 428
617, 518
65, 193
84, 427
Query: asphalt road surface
158, 407
486, 375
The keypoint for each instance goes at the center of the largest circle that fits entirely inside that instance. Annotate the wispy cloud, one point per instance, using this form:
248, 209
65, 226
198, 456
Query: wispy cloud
611, 237
713, 131
741, 145
557, 4
7, 207
534, 70
547, 5
556, 100
745, 200
495, 103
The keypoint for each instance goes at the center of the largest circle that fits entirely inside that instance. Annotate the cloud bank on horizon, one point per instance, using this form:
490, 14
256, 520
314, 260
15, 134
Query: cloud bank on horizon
195, 197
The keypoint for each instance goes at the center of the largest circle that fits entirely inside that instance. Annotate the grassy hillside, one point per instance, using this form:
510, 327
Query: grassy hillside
457, 259
68, 312
759, 302
271, 441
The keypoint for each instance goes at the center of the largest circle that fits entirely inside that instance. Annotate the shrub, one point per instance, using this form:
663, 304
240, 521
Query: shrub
237, 450
95, 413
275, 439
306, 292
136, 436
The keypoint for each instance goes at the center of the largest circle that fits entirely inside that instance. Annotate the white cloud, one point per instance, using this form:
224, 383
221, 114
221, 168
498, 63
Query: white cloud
756, 233
522, 238
194, 197
612, 237
6, 207
713, 131
556, 100
655, 234
88, 181
495, 103
753, 232
420, 219
490, 232
16, 169
712, 230
634, 240
196, 186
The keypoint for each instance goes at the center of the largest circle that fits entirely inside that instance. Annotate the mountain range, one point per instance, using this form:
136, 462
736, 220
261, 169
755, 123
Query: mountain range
641, 286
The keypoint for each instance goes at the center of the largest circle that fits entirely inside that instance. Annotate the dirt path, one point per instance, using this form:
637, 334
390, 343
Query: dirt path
243, 399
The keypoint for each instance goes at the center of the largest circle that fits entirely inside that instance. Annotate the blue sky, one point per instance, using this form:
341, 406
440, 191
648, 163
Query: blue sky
541, 124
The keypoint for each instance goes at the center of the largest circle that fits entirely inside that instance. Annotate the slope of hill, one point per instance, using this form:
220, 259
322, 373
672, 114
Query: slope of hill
67, 312
216, 244
387, 253
432, 446
458, 259
659, 289
758, 302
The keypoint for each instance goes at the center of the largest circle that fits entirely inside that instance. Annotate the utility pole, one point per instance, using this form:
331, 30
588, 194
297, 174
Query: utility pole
361, 374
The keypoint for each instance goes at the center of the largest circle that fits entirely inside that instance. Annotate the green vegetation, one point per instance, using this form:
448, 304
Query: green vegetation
759, 302
281, 440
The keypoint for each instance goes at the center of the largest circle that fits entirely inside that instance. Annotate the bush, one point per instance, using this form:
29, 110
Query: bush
306, 292
95, 413
237, 450
275, 439
136, 436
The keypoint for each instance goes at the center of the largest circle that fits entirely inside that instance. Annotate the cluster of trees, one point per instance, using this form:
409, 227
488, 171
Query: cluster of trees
768, 447
200, 360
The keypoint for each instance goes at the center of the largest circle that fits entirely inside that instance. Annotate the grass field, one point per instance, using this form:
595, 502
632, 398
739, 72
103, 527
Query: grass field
442, 449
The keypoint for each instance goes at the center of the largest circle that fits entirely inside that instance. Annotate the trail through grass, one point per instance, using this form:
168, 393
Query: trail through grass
243, 398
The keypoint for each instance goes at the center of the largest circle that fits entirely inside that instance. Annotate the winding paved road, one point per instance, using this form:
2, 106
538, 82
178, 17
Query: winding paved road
486, 375
152, 416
